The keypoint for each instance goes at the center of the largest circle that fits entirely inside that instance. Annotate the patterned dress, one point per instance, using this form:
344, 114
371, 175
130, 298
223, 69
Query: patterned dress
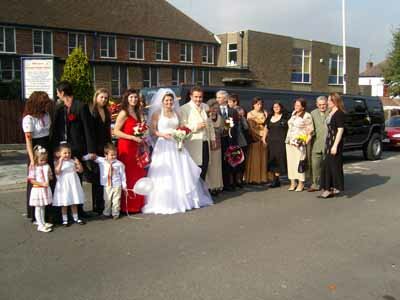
40, 196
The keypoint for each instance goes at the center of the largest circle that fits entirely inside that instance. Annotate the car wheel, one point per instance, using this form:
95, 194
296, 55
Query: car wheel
373, 150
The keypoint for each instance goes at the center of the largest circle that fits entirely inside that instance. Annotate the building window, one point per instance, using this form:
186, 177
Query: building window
335, 69
301, 66
7, 39
42, 42
151, 77
10, 68
108, 46
186, 52
162, 50
76, 40
178, 76
136, 49
232, 55
201, 77
119, 80
207, 54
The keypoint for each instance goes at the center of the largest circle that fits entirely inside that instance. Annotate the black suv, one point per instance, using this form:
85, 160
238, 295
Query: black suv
365, 122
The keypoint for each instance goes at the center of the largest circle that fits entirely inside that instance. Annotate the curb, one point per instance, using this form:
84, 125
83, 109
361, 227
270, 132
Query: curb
11, 147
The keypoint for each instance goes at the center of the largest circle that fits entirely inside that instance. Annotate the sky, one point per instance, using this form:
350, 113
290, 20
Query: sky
369, 25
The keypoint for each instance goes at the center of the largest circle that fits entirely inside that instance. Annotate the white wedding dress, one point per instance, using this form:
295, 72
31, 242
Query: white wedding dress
176, 177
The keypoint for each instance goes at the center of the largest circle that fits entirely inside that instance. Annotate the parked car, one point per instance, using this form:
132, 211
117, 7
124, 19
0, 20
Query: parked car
364, 124
392, 132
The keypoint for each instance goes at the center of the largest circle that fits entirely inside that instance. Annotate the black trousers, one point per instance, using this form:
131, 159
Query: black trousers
205, 160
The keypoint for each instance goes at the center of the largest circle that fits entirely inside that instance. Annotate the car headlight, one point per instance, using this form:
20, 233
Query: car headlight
397, 135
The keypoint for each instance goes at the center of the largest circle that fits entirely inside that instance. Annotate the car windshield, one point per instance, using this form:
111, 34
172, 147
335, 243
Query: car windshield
393, 122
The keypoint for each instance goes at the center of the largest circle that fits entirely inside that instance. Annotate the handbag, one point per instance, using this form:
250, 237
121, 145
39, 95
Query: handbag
302, 166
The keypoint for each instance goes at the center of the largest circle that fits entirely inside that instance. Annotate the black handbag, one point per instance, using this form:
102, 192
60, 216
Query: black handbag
302, 166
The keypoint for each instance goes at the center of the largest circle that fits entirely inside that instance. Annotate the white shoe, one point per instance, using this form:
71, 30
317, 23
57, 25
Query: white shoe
35, 223
48, 225
43, 229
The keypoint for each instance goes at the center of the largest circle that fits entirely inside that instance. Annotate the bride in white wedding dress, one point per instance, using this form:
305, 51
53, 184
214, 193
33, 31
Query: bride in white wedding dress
175, 176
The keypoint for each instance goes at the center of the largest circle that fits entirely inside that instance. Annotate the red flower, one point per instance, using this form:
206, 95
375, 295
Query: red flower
185, 129
71, 117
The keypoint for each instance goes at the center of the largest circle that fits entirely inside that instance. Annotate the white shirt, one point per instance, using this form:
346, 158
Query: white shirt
117, 178
39, 127
224, 110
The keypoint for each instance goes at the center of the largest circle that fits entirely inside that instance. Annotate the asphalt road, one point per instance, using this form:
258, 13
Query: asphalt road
257, 244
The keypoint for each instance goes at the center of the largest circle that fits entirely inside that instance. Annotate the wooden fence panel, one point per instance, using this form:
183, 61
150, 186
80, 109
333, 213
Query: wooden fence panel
11, 122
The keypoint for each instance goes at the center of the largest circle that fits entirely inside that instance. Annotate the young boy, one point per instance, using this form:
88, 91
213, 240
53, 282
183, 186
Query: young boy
113, 180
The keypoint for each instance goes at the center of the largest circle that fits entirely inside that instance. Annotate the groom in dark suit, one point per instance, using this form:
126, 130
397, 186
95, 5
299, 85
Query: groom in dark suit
73, 125
227, 140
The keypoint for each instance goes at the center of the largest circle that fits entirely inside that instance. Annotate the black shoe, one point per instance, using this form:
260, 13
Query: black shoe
239, 185
276, 183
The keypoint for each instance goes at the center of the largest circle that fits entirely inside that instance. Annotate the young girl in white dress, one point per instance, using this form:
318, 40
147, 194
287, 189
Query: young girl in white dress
68, 191
39, 176
176, 177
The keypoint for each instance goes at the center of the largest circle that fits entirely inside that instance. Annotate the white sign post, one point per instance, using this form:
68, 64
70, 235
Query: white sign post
38, 75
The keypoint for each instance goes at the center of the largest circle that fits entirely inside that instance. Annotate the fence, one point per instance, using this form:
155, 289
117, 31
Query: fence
11, 122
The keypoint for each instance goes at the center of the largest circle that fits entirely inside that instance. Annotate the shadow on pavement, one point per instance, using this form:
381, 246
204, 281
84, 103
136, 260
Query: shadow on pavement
358, 183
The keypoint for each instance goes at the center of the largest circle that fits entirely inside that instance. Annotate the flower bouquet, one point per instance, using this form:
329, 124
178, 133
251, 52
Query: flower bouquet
114, 108
181, 134
228, 125
234, 156
140, 130
300, 140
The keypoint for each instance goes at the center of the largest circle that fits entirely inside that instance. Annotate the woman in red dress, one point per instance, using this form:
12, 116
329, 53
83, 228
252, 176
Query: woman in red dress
128, 144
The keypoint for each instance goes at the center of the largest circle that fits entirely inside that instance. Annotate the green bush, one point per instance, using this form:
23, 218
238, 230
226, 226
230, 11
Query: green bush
77, 72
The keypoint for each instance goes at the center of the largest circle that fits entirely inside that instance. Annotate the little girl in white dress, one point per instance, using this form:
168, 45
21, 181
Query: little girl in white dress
39, 176
68, 191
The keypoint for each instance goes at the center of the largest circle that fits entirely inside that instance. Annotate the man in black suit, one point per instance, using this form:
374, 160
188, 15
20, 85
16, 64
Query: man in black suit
73, 125
226, 139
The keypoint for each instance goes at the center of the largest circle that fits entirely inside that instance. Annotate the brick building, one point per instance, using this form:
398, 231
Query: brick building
281, 62
146, 43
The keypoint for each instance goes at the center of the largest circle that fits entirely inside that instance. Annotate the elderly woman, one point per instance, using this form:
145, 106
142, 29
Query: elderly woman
36, 126
214, 174
298, 137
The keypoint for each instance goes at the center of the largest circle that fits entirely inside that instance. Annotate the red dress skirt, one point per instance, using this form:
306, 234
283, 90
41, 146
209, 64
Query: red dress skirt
127, 153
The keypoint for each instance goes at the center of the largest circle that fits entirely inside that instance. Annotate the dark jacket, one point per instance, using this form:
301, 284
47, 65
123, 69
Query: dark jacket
75, 128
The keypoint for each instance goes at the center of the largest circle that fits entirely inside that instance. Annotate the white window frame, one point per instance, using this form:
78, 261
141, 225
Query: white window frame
108, 46
162, 50
178, 78
150, 69
33, 42
339, 59
76, 41
208, 47
228, 63
136, 46
4, 39
202, 76
13, 70
186, 46
303, 56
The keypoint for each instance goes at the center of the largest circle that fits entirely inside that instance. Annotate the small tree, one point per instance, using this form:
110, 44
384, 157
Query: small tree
392, 71
77, 72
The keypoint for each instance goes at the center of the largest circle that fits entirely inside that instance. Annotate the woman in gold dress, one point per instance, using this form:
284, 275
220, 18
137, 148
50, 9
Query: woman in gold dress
256, 163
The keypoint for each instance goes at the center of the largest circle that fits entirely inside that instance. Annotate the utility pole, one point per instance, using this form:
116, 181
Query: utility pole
344, 47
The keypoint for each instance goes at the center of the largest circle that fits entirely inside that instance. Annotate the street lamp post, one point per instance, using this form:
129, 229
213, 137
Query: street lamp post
344, 47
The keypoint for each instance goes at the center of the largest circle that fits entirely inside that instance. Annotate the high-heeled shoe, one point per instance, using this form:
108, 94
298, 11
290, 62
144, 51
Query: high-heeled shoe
292, 188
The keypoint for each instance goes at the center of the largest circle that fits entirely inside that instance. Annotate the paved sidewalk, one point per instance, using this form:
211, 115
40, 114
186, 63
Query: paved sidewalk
12, 169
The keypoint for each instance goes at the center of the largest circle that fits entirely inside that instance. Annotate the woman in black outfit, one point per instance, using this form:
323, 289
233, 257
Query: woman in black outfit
274, 137
102, 132
332, 177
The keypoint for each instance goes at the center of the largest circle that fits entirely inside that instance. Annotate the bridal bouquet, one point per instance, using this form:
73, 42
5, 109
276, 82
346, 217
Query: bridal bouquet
140, 129
228, 124
181, 134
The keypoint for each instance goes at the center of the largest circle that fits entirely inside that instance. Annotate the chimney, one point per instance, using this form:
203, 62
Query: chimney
370, 64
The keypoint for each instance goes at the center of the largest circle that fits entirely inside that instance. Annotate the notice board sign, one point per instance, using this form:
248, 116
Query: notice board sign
37, 75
